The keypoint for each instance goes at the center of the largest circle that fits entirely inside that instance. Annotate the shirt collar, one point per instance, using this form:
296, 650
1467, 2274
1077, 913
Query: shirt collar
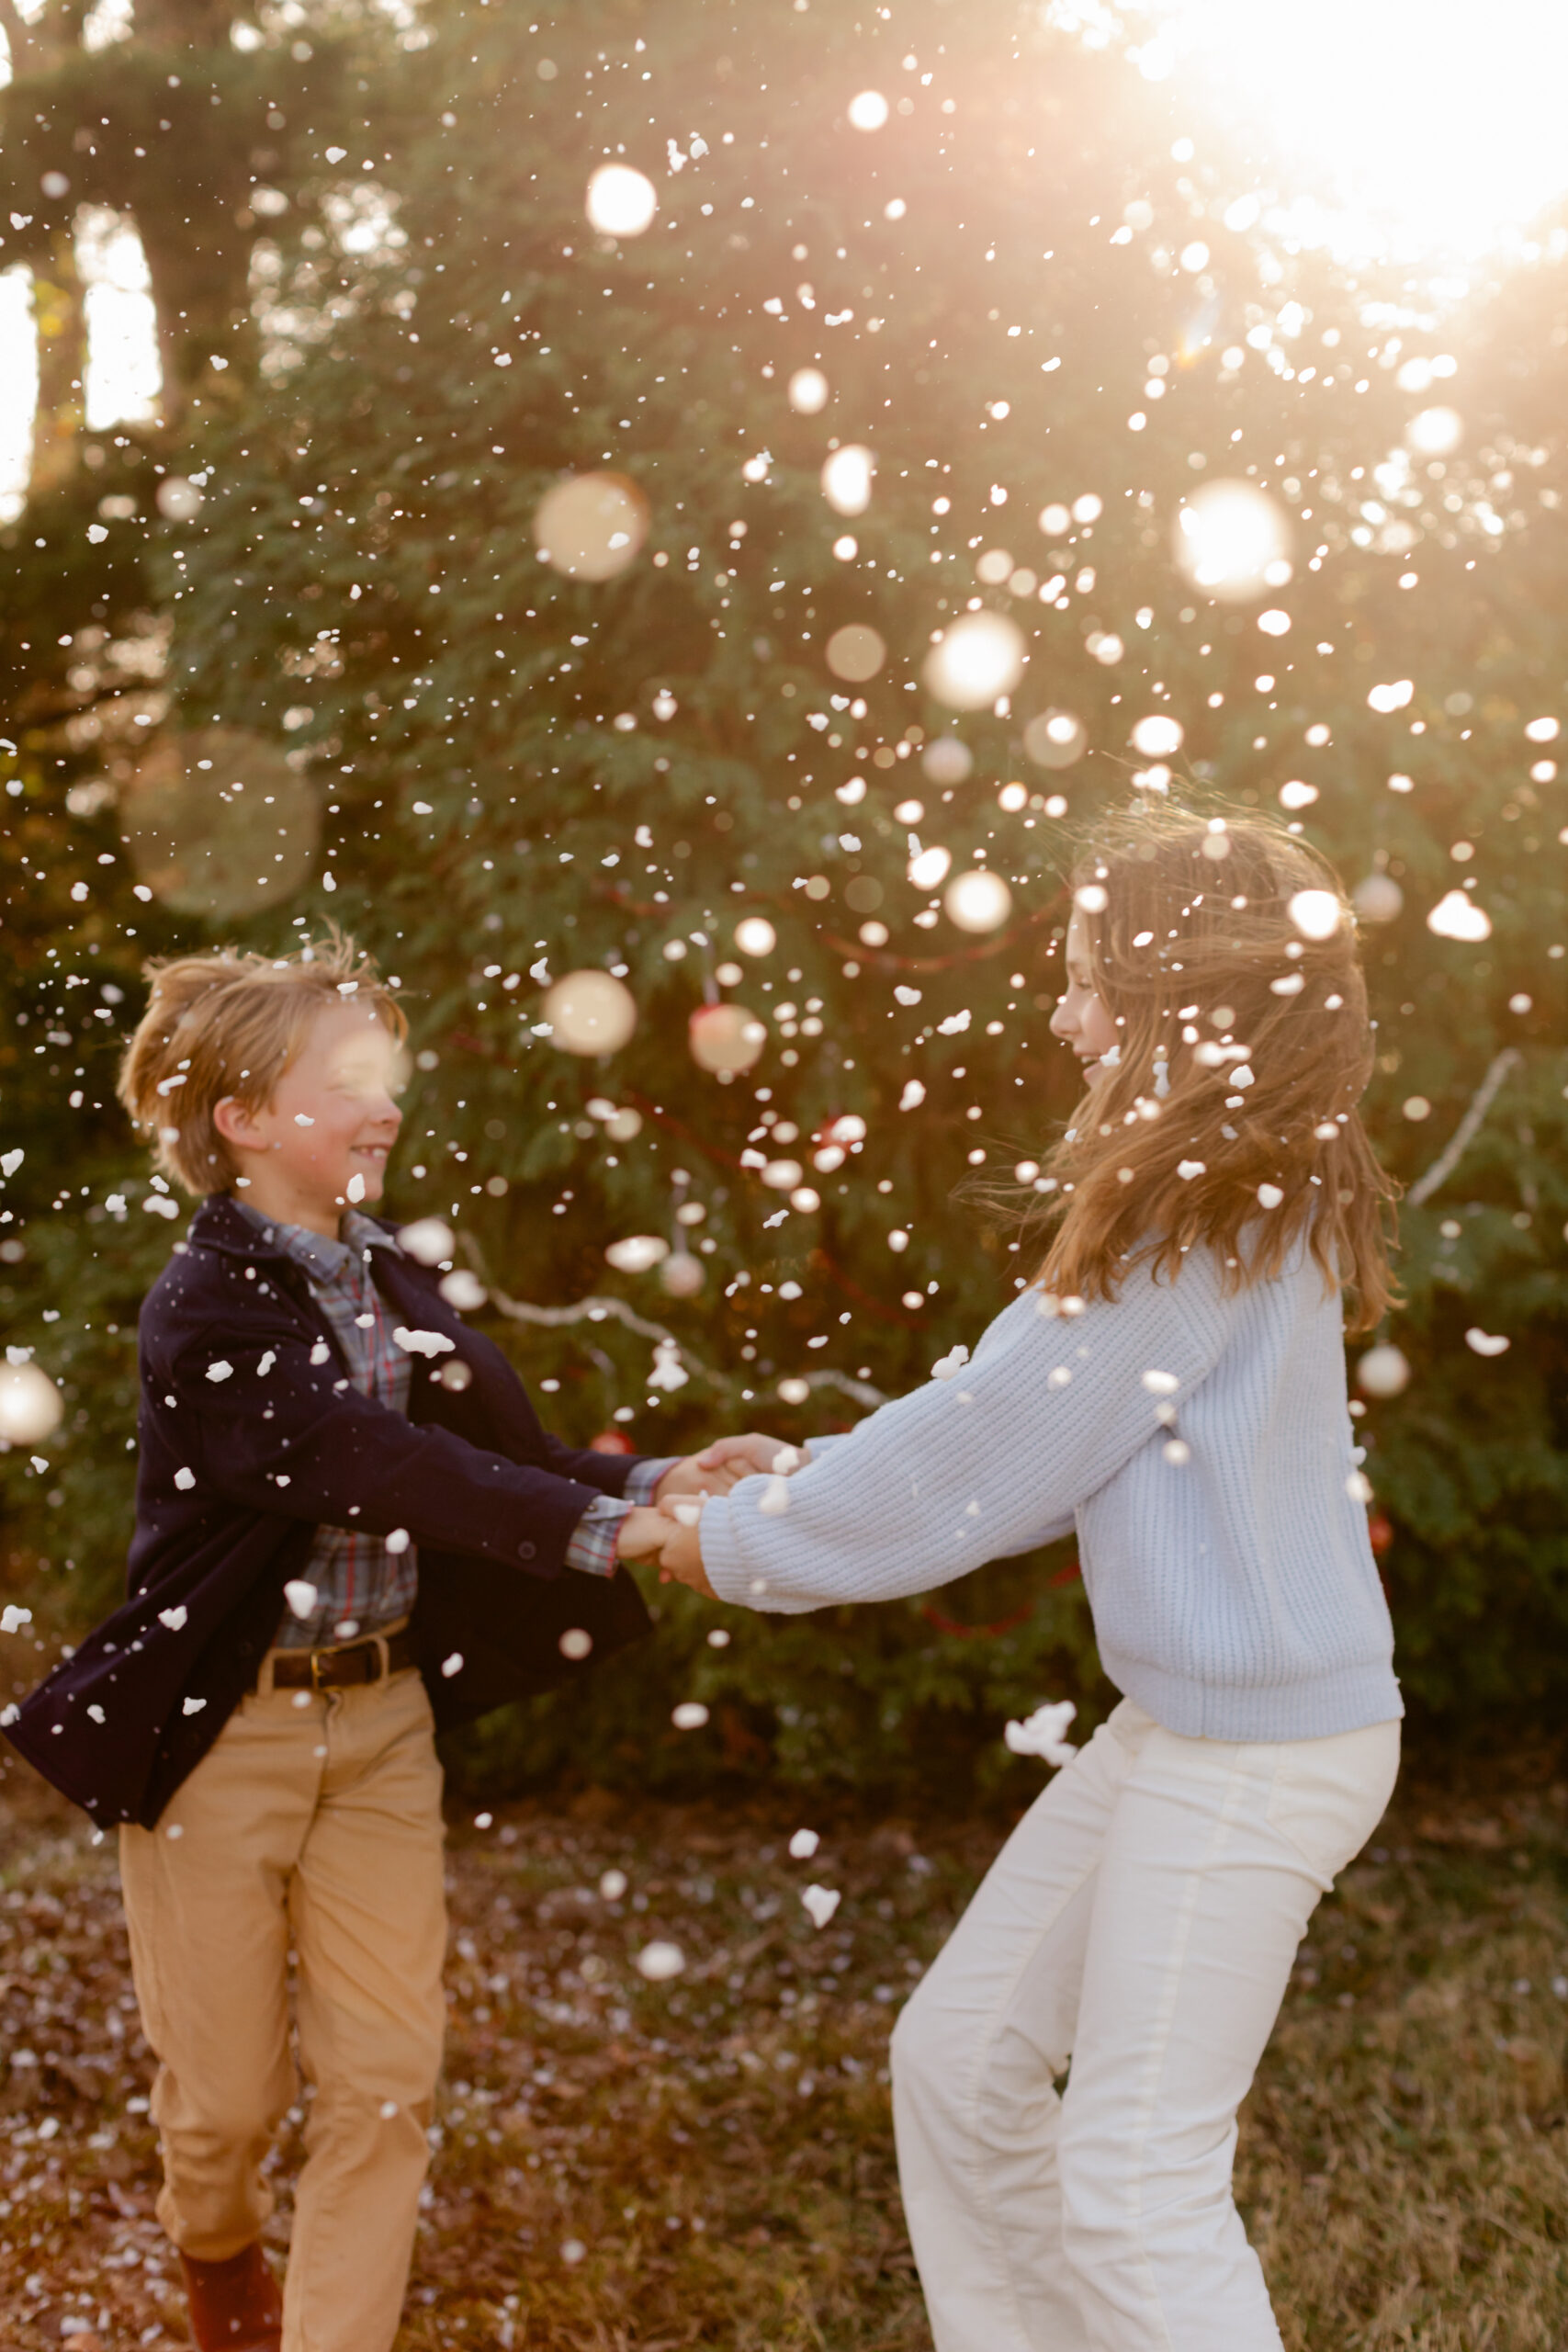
323, 1260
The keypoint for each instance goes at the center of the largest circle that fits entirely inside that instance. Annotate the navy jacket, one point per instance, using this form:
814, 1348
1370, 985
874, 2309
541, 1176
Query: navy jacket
238, 1469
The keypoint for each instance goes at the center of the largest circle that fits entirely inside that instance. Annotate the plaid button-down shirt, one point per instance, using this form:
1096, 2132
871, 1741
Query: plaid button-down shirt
360, 1584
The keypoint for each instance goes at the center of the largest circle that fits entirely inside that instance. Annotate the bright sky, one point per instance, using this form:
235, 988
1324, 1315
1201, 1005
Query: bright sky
1432, 129
1422, 129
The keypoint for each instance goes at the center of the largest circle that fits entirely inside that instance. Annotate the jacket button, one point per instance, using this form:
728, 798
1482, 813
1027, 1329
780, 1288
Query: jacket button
526, 1551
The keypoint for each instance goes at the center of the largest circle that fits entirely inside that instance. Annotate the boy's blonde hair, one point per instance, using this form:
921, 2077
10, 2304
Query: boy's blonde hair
230, 1024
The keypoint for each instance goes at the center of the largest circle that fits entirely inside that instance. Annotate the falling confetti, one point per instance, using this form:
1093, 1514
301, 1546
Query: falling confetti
1041, 1733
821, 1903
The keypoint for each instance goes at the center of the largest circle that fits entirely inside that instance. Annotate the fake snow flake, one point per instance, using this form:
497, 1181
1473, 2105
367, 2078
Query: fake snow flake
185, 1480
354, 1188
10, 1161
787, 1458
265, 1366
398, 1540
956, 1024
1270, 1196
909, 996
462, 1290
1187, 1169
218, 1371
1177, 1452
421, 1344
1358, 1486
573, 2251
803, 1845
774, 1500
12, 1618
300, 1595
668, 1372
192, 1706
453, 1664
428, 1238
612, 1885
1041, 1733
576, 1642
1486, 1343
97, 1715
176, 1618
658, 1961
1161, 1384
637, 1254
1382, 1371
1456, 916
821, 1903
945, 1366
690, 1715
914, 1094
387, 2110
320, 1353
689, 1512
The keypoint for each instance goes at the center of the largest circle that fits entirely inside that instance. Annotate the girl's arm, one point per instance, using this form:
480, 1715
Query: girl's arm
993, 1461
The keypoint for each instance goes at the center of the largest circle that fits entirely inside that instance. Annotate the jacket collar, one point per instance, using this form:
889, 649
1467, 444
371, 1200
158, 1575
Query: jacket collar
221, 1224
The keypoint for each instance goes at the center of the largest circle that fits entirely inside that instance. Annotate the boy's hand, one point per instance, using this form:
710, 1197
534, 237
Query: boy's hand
730, 1459
714, 1472
644, 1533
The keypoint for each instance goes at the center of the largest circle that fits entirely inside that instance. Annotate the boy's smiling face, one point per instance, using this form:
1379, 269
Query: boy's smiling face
332, 1117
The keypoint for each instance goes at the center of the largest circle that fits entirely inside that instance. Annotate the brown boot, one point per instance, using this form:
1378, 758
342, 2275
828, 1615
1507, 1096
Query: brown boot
235, 2305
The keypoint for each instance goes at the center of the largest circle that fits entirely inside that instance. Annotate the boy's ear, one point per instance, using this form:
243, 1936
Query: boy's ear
236, 1122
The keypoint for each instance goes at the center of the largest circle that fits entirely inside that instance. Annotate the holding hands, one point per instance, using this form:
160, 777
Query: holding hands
668, 1530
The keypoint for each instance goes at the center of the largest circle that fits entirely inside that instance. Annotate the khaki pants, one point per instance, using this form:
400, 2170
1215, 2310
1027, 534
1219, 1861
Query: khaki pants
316, 1817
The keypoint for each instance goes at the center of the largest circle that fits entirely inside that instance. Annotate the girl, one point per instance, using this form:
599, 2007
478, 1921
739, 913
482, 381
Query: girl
1172, 1379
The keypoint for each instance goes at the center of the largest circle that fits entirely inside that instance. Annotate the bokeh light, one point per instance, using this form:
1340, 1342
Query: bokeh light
1434, 432
1055, 739
868, 111
621, 200
947, 761
755, 935
726, 1037
1158, 736
1228, 538
591, 526
809, 391
219, 821
30, 1403
590, 1013
1457, 916
1316, 914
855, 653
847, 476
978, 901
980, 658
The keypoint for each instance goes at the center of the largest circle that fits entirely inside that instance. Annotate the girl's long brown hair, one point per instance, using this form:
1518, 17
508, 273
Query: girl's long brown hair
1199, 958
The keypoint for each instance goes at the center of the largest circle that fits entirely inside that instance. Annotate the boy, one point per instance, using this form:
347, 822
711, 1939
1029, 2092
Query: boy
351, 1532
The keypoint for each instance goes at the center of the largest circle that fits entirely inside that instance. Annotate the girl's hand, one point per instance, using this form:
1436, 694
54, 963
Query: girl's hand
681, 1558
743, 1457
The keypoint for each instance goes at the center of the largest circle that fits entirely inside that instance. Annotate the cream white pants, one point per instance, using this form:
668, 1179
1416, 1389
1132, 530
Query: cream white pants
1141, 1922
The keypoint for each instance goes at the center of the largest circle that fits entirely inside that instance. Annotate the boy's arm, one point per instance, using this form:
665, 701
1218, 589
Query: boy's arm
275, 1426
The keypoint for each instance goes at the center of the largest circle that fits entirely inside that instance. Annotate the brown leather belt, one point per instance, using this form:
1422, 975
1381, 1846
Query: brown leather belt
348, 1664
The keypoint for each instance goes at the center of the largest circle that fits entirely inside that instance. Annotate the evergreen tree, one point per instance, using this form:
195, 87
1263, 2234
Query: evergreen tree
1020, 295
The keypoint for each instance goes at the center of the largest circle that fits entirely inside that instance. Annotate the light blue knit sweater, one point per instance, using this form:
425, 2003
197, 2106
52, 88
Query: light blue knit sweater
1224, 1547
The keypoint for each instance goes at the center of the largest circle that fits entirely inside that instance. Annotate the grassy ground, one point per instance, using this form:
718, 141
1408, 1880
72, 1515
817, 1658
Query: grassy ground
633, 2167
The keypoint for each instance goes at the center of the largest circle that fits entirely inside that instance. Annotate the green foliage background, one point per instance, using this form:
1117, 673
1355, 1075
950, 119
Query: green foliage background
361, 586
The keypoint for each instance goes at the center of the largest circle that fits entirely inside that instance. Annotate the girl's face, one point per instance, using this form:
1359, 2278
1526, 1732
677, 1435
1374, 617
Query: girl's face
1081, 1020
